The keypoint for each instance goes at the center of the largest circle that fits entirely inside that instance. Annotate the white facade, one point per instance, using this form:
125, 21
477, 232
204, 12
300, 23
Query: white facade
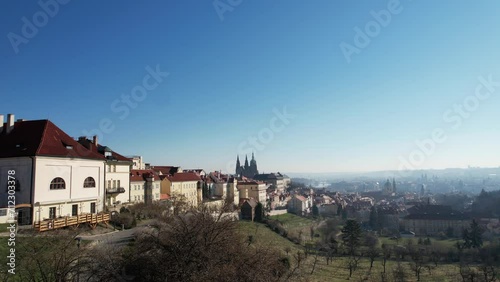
46, 202
298, 205
63, 201
117, 176
138, 191
253, 190
137, 163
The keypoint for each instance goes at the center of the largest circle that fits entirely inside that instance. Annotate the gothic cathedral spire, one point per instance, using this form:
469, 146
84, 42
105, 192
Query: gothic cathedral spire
238, 165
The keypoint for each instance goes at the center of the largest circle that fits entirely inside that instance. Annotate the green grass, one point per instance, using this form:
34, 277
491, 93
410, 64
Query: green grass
338, 271
295, 224
3, 247
435, 242
3, 227
264, 236
293, 221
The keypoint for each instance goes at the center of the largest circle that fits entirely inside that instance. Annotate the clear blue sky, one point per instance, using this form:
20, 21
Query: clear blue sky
227, 73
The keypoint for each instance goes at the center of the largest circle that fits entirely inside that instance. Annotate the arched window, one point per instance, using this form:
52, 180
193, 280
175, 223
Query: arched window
57, 183
89, 182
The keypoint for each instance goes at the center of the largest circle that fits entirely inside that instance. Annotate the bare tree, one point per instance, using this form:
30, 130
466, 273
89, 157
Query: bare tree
417, 260
487, 266
315, 261
386, 254
54, 256
352, 263
371, 242
467, 273
201, 246
399, 273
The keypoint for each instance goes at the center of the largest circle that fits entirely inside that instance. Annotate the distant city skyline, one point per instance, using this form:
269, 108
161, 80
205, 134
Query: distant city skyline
337, 86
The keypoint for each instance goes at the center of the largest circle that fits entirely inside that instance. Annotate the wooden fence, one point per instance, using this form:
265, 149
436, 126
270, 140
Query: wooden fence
73, 221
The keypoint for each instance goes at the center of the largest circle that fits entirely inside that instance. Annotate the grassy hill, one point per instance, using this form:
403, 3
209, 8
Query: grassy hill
338, 269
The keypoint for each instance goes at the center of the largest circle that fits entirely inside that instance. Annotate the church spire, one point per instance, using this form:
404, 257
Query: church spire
253, 167
238, 165
246, 162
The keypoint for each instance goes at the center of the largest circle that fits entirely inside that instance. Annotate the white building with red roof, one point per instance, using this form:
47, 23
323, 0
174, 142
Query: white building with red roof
145, 186
116, 173
54, 175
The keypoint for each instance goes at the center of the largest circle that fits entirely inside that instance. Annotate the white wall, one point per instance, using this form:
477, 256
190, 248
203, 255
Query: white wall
74, 172
122, 174
137, 193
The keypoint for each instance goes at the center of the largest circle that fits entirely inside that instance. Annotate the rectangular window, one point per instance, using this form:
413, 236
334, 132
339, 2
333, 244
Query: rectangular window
157, 196
118, 183
74, 210
92, 207
109, 168
52, 212
3, 212
114, 168
114, 183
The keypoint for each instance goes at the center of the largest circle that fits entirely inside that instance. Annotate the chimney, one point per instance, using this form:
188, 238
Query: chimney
10, 123
1, 123
94, 140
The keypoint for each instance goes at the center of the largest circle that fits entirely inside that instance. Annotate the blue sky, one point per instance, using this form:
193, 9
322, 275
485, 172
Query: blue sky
230, 71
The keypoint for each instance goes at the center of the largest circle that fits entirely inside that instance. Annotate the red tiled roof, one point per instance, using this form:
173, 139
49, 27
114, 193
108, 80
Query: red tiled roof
250, 182
195, 170
99, 150
184, 176
119, 157
41, 138
141, 174
165, 169
301, 198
